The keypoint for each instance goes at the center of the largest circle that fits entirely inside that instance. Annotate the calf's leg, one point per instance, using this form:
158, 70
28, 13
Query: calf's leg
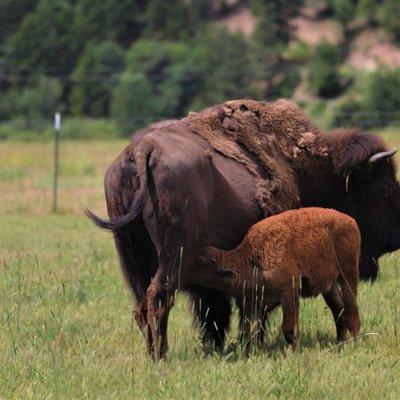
333, 299
348, 284
290, 310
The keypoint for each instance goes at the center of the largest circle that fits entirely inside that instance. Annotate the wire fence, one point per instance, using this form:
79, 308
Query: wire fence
376, 118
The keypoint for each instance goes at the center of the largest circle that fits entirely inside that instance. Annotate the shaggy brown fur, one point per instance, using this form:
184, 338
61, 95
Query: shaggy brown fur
303, 252
254, 134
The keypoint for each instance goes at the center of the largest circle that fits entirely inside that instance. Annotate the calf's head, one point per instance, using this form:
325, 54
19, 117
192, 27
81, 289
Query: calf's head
209, 268
372, 195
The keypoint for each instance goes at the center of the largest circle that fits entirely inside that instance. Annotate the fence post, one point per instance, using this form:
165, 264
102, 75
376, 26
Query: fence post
57, 128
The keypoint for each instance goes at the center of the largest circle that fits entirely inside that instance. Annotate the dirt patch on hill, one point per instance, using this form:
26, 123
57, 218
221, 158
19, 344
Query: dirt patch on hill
240, 21
312, 31
372, 49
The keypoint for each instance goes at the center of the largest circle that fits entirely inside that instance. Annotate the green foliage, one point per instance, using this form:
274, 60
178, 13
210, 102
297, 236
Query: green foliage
12, 12
350, 113
120, 21
383, 97
34, 104
159, 81
343, 10
94, 77
367, 8
132, 105
323, 71
375, 102
389, 15
271, 39
85, 128
140, 60
72, 128
167, 19
227, 68
284, 84
272, 30
45, 41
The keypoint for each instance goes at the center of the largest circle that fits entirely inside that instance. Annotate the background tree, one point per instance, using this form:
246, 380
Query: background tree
45, 41
389, 16
159, 81
227, 69
271, 37
93, 78
121, 21
323, 70
12, 12
167, 19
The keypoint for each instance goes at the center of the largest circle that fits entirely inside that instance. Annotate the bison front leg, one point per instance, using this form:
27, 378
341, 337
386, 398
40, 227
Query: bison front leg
212, 310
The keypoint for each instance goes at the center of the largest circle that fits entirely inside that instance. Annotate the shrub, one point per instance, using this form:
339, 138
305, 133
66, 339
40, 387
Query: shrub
227, 68
367, 8
323, 71
389, 16
159, 81
45, 40
383, 97
86, 128
35, 104
167, 19
351, 113
375, 102
94, 77
343, 10
132, 105
72, 128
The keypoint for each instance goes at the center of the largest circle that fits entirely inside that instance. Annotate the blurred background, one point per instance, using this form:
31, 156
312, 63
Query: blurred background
112, 66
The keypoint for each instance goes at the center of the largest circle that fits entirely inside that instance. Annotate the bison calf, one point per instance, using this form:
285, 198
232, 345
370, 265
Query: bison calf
303, 252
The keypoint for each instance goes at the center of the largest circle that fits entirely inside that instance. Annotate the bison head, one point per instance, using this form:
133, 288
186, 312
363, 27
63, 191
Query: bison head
372, 195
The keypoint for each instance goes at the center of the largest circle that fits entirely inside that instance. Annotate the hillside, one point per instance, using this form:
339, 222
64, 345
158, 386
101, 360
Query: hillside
138, 61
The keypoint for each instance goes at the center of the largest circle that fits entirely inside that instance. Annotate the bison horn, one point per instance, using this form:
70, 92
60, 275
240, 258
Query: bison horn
383, 155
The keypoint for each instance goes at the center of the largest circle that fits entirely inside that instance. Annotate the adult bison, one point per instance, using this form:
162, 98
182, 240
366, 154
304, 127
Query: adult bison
205, 179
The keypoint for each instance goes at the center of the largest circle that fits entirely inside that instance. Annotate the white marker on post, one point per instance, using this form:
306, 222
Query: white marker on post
57, 121
57, 128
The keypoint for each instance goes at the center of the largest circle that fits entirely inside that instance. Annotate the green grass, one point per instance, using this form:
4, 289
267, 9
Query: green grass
66, 315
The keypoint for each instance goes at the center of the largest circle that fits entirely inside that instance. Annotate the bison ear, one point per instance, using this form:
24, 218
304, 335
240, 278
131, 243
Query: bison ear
356, 151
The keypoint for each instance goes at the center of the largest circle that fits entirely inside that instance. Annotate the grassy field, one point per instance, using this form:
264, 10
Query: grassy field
66, 322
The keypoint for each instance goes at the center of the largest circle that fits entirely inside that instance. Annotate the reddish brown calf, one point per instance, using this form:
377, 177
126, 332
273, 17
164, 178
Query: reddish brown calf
303, 252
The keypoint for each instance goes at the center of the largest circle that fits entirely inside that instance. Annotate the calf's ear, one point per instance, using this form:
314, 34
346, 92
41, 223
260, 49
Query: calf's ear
224, 273
205, 257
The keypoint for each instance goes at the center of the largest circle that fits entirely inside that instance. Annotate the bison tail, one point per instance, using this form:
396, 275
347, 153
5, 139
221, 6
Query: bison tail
122, 222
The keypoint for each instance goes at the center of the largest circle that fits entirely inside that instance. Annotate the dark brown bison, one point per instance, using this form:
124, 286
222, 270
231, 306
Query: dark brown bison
303, 252
155, 125
205, 179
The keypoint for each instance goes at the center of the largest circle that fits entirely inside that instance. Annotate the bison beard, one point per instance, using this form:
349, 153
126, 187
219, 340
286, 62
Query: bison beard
205, 179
